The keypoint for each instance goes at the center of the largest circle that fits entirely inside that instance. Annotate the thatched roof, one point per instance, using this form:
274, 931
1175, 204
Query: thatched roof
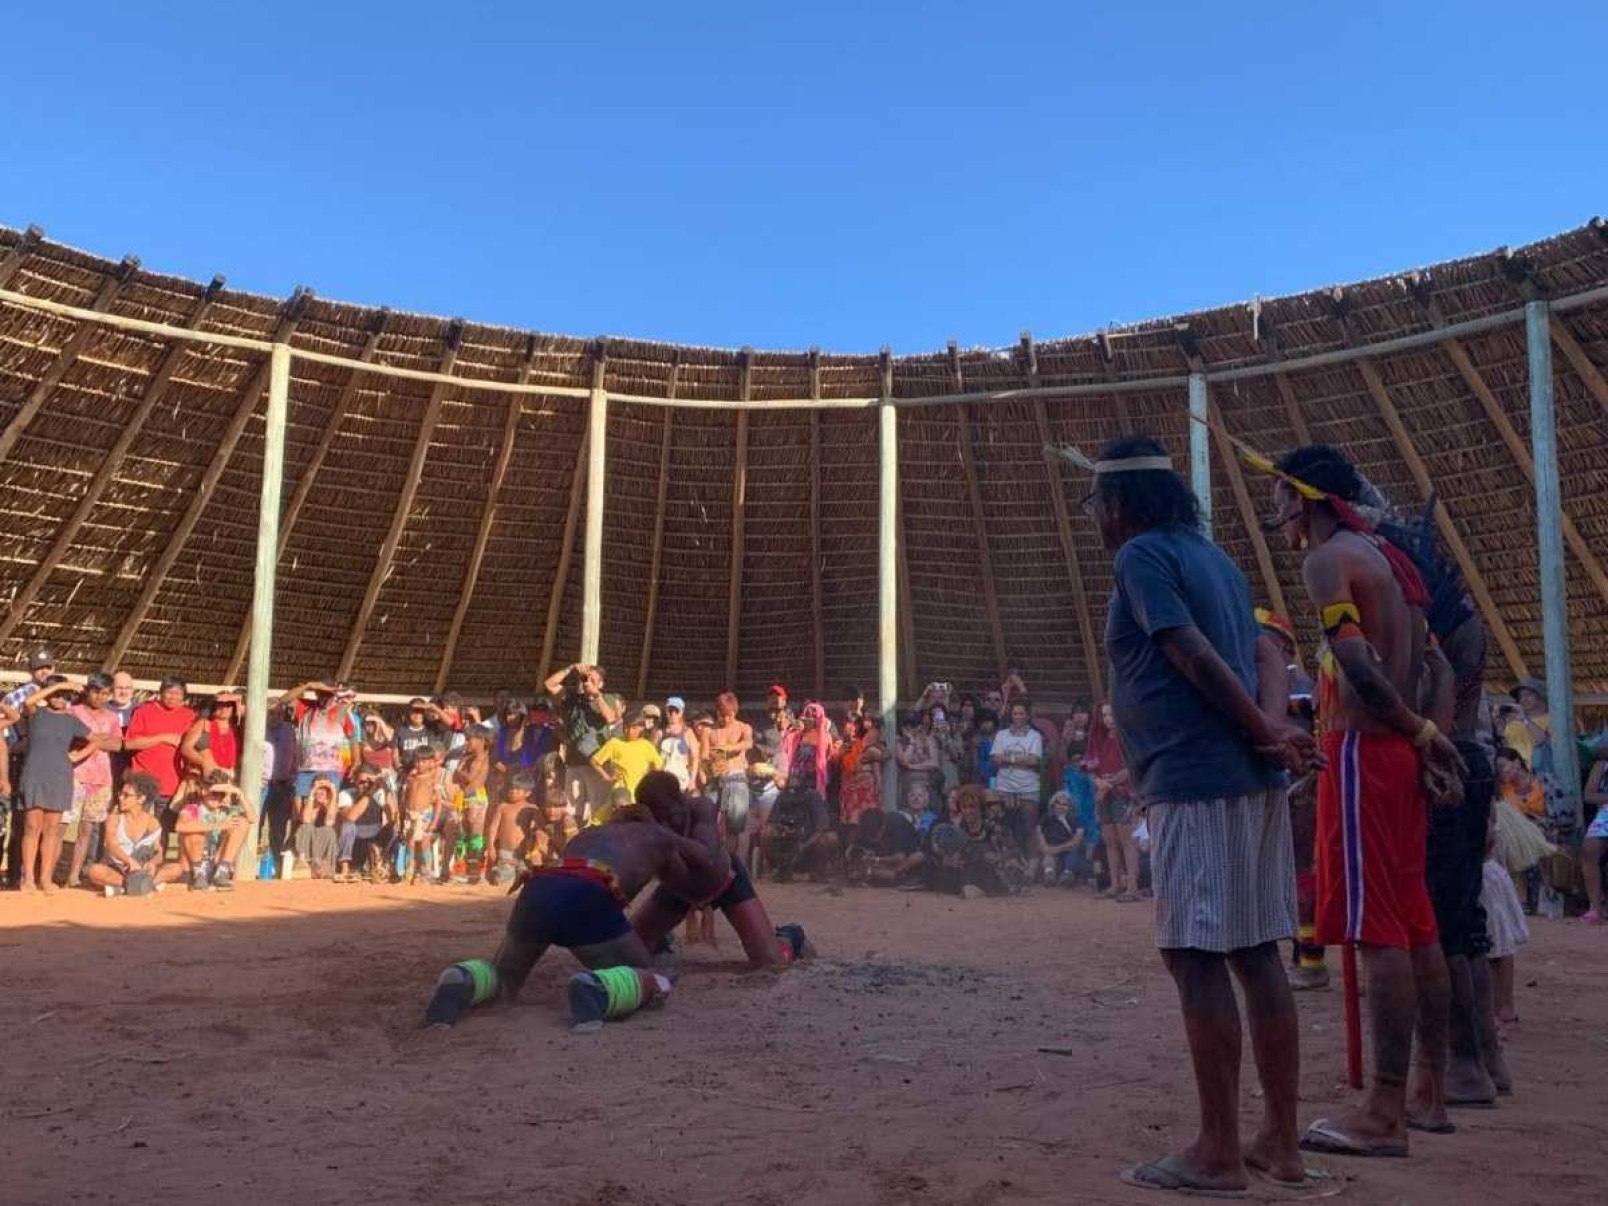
92, 425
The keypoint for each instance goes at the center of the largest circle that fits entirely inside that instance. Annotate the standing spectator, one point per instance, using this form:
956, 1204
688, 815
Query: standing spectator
1114, 806
624, 760
916, 753
213, 741
862, 760
14, 733
133, 843
1205, 759
586, 714
1530, 733
981, 748
328, 736
781, 721
808, 750
414, 733
853, 703
92, 777
1595, 847
1018, 756
951, 748
279, 772
122, 704
678, 744
518, 746
726, 756
153, 736
57, 742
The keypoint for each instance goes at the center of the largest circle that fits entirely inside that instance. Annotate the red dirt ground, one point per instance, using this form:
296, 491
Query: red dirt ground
262, 1047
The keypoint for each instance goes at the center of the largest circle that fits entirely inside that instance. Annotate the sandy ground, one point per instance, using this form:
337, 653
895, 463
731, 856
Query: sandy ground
263, 1046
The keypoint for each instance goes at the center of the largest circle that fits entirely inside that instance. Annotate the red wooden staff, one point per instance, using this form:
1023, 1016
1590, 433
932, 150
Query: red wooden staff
1348, 963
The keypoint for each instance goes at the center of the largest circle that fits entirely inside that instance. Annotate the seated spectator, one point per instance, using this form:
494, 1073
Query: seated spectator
800, 837
367, 815
92, 776
1062, 844
316, 819
131, 858
57, 742
518, 822
887, 850
964, 855
213, 823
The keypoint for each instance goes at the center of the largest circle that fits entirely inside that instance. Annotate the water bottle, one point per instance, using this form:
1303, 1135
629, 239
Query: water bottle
265, 865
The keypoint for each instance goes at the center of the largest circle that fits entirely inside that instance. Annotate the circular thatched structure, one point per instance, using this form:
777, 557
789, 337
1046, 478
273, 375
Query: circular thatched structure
130, 468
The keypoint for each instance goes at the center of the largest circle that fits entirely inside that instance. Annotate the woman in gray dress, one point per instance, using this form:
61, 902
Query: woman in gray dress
56, 741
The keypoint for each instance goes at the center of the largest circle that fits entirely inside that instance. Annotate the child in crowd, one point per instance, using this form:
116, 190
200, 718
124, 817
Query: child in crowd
518, 821
1504, 922
423, 805
470, 803
624, 760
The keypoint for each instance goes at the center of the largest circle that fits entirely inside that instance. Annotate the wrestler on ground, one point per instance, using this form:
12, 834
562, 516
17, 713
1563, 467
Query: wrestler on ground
1383, 757
654, 919
580, 905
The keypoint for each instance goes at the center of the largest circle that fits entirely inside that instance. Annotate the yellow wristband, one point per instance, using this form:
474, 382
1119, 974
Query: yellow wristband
1427, 732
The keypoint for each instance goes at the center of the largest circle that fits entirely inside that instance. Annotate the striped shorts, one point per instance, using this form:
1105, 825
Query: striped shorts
1224, 872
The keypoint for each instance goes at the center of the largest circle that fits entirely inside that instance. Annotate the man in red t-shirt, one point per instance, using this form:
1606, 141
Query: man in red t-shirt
153, 736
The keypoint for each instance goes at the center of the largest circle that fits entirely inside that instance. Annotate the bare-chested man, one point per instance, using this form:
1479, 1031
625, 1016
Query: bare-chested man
1384, 756
726, 760
580, 905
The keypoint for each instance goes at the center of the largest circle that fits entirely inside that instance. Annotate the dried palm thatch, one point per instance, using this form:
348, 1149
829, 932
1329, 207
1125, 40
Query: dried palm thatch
130, 463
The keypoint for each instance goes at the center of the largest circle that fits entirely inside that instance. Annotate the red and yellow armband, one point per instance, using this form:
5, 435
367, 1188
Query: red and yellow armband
1342, 621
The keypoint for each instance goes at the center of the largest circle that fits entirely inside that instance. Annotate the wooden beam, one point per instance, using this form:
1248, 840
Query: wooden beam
1281, 382
404, 504
256, 383
304, 483
1443, 520
888, 583
968, 466
19, 253
1517, 448
46, 385
1093, 654
1247, 511
106, 471
739, 501
909, 669
817, 568
572, 516
657, 553
1590, 376
488, 516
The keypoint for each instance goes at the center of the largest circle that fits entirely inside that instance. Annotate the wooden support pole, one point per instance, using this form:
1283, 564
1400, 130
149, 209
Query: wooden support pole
597, 443
817, 566
1247, 512
19, 253
968, 466
566, 554
1549, 551
404, 505
739, 506
1590, 376
256, 383
488, 517
909, 664
262, 590
46, 385
1093, 654
1443, 520
106, 470
1518, 450
309, 473
1200, 456
888, 574
655, 558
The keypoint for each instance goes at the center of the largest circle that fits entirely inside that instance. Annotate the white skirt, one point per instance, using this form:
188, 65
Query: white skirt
1504, 917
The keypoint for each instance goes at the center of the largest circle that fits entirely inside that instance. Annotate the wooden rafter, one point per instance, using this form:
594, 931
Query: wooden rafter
817, 569
1093, 656
46, 385
661, 498
739, 503
256, 383
1108, 357
909, 670
566, 549
309, 474
106, 471
488, 516
968, 466
1590, 375
1281, 382
1247, 509
404, 505
19, 253
1443, 520
1518, 448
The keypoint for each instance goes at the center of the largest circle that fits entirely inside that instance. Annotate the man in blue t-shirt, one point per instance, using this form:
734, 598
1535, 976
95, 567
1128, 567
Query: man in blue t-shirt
1208, 765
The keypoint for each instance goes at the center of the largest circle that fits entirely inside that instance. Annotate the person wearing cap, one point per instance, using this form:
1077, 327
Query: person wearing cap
213, 742
328, 735
92, 776
153, 736
14, 733
678, 744
625, 760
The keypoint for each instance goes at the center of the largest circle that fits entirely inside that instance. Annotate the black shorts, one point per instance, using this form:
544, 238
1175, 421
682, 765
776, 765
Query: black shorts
558, 909
1456, 859
739, 891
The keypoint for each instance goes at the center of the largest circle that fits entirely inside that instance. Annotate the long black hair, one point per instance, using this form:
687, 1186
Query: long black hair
1326, 468
1147, 498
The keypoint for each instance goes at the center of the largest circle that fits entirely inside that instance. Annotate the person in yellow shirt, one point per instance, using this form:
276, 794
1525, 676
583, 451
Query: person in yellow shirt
624, 760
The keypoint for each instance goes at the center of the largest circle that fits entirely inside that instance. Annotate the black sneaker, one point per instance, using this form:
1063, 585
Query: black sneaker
200, 876
223, 877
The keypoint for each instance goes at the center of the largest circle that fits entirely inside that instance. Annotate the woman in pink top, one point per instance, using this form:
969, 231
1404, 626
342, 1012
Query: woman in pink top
92, 777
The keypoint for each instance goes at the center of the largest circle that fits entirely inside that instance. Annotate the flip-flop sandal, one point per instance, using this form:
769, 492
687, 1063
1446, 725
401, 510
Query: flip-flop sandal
1326, 1138
1433, 1128
1171, 1174
1472, 1103
1310, 1177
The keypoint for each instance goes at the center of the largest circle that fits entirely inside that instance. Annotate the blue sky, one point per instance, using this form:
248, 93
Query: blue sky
832, 174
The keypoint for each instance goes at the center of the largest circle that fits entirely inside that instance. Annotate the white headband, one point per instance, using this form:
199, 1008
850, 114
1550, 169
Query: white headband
1133, 464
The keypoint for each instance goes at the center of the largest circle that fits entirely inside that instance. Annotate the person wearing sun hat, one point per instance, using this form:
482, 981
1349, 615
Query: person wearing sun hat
678, 744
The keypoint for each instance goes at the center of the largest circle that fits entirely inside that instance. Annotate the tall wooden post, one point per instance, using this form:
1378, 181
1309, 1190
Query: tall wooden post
817, 570
739, 528
887, 583
1554, 571
597, 420
259, 664
1200, 450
